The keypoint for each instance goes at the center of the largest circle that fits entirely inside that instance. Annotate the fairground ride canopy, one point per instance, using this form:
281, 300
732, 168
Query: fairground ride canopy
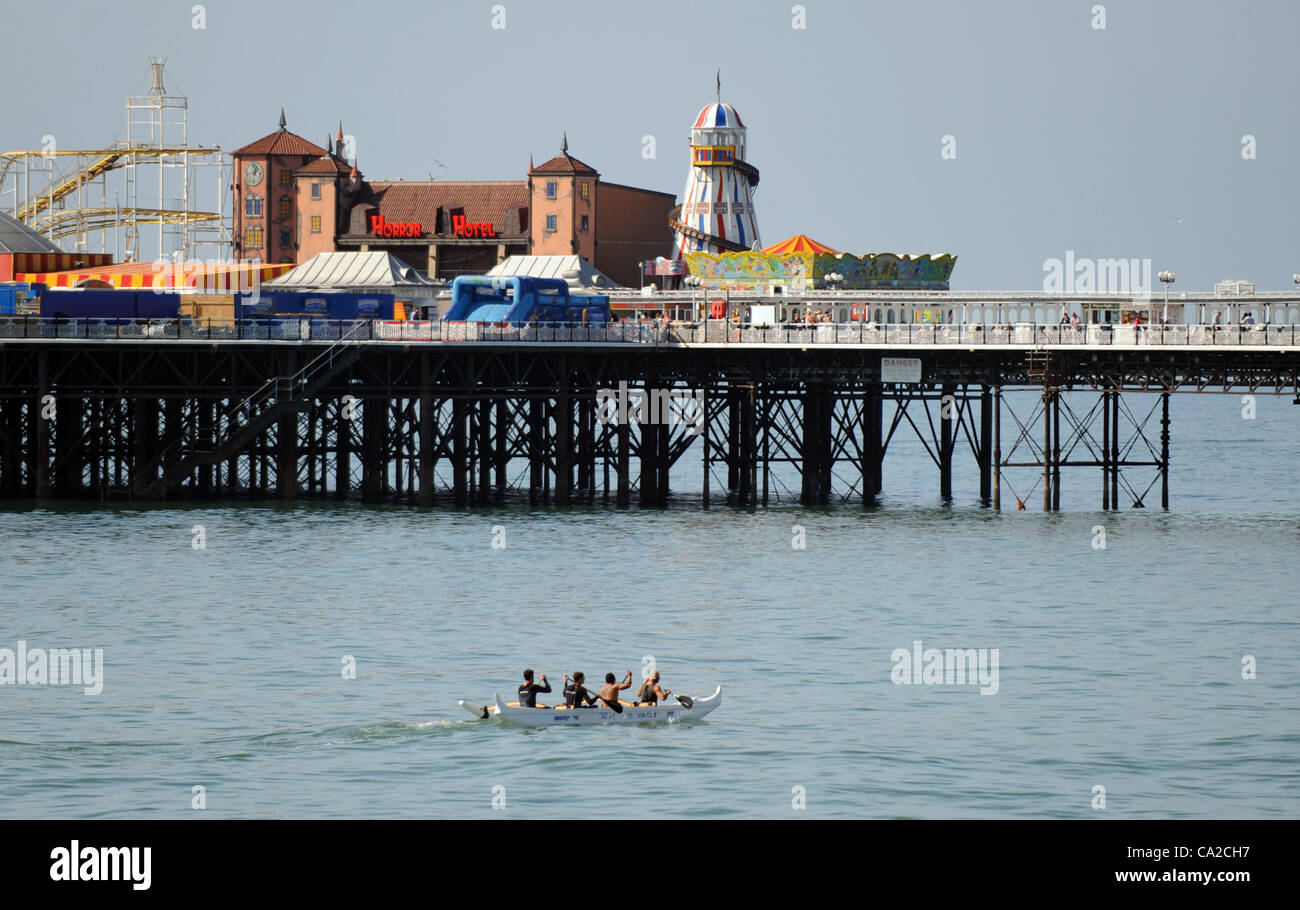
801, 263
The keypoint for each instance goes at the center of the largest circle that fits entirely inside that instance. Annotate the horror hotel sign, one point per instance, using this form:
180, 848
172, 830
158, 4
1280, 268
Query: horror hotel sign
381, 228
459, 226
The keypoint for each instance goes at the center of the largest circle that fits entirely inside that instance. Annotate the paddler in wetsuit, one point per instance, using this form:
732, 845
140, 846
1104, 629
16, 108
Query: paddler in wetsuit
528, 691
575, 693
609, 692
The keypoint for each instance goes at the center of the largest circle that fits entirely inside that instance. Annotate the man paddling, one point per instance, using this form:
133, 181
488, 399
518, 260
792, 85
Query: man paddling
528, 691
650, 692
576, 694
609, 691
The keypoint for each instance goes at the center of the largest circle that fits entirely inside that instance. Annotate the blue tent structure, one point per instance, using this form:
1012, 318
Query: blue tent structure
518, 300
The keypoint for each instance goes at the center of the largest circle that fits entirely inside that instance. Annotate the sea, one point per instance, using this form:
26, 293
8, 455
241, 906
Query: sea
266, 660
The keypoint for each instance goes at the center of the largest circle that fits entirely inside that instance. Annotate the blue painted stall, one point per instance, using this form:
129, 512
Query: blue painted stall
317, 305
110, 303
18, 298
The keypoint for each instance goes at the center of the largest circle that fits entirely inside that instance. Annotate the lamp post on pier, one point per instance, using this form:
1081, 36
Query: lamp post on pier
833, 281
693, 282
1167, 278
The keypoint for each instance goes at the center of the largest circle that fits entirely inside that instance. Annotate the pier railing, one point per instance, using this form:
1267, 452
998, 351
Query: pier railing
650, 333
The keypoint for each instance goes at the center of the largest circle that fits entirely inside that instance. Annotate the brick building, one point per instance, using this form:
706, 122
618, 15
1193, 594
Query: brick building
294, 199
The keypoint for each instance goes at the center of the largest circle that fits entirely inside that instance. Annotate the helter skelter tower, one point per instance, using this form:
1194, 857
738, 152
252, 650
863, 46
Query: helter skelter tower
717, 211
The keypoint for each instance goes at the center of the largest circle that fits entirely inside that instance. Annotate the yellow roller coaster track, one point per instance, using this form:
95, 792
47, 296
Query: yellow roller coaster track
71, 222
105, 160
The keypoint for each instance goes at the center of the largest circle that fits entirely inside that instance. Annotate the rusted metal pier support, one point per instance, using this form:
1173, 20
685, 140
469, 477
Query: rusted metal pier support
39, 427
947, 440
873, 410
1048, 396
986, 445
1164, 450
68, 448
1106, 432
997, 448
818, 410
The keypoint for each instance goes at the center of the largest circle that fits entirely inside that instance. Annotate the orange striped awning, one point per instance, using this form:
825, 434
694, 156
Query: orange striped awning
799, 243
214, 277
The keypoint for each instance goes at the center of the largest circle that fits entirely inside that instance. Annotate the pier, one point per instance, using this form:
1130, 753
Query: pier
435, 414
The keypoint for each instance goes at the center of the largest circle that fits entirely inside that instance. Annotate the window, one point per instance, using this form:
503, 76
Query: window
284, 207
586, 189
284, 237
315, 189
286, 178
584, 224
315, 224
550, 189
253, 238
550, 222
253, 206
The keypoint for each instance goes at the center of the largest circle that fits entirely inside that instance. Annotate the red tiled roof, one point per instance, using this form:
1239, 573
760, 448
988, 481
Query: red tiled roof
325, 165
281, 142
563, 164
419, 200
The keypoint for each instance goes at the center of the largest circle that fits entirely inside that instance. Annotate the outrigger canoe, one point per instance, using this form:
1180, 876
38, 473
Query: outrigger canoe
666, 712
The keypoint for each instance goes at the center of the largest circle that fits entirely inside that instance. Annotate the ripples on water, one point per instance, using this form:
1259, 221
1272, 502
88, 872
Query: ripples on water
1118, 667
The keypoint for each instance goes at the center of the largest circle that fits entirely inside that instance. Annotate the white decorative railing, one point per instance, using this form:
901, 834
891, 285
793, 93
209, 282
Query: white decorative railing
651, 333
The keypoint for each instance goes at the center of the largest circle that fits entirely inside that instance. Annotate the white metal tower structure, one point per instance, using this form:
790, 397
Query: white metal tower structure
158, 138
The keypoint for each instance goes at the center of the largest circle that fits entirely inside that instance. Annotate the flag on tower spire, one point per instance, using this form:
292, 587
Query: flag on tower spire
719, 83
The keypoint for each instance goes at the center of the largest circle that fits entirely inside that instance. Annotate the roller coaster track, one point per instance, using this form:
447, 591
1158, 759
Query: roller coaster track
104, 161
674, 216
69, 222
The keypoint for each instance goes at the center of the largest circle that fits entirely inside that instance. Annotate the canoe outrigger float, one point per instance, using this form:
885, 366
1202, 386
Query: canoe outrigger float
678, 709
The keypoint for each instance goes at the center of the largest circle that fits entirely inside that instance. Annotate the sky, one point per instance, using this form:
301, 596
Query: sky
1119, 142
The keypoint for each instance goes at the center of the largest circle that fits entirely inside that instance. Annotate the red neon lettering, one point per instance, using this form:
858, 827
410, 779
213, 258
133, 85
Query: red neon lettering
381, 228
462, 228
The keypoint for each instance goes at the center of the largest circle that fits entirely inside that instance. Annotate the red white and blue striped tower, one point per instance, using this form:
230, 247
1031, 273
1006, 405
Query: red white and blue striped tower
717, 211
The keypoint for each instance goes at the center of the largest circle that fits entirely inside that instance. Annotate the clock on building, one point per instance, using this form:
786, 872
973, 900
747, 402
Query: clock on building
253, 173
